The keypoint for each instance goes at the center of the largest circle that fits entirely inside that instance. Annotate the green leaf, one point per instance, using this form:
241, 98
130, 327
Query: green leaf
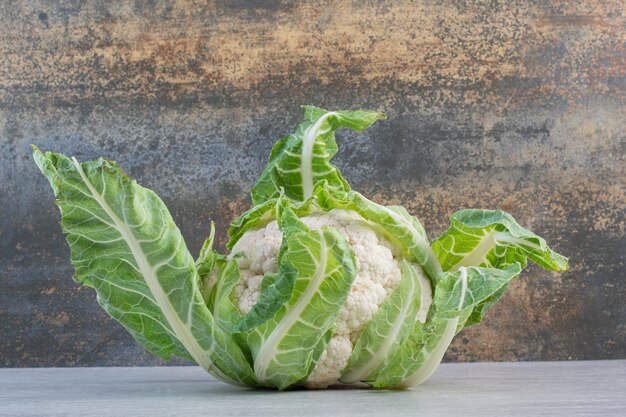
492, 239
125, 245
206, 264
415, 225
208, 257
226, 314
277, 289
390, 326
286, 347
259, 216
412, 355
302, 159
456, 295
394, 223
477, 314
469, 287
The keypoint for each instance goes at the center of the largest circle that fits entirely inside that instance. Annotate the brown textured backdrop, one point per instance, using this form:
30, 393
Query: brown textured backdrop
516, 105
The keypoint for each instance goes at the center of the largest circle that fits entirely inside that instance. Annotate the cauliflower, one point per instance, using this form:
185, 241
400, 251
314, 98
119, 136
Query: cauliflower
378, 263
322, 285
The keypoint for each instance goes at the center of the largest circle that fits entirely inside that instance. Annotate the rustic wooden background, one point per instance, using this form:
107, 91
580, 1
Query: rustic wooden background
516, 105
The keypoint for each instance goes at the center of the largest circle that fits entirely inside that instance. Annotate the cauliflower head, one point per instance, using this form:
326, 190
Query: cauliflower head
378, 272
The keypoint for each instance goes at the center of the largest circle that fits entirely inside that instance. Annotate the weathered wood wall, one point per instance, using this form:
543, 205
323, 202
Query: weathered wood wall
516, 105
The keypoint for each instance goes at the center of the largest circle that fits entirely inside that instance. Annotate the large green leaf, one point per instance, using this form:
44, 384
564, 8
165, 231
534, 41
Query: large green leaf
390, 326
125, 245
492, 238
276, 288
302, 159
457, 294
286, 347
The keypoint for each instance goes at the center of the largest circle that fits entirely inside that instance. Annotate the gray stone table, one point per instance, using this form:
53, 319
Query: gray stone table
462, 390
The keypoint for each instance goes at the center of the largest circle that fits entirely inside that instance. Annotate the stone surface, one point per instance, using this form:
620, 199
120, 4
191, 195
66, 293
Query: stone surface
469, 389
516, 105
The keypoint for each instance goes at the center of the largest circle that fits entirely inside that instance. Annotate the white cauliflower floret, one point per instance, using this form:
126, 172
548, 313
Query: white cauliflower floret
378, 263
333, 361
